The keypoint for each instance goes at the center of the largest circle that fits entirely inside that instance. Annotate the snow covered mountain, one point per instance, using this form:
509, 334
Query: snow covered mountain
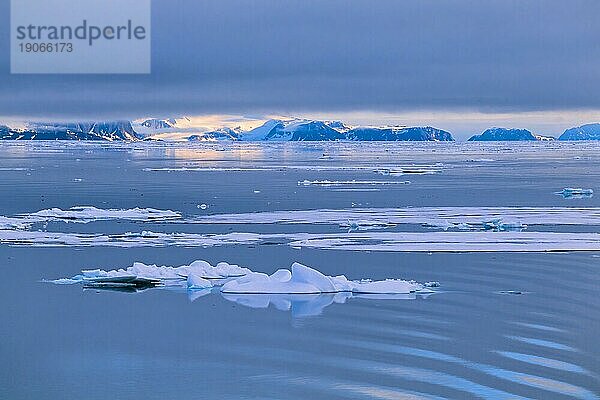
309, 130
293, 130
583, 132
236, 128
412, 134
504, 134
113, 130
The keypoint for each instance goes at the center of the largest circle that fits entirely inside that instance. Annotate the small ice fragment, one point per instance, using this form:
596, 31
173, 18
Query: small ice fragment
514, 292
196, 282
202, 206
387, 286
432, 284
576, 193
256, 191
499, 225
65, 281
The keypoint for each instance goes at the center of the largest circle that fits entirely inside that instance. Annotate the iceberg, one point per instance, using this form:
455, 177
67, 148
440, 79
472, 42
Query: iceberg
232, 278
302, 290
235, 280
195, 282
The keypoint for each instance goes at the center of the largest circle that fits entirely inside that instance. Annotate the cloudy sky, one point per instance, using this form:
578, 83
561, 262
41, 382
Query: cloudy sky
455, 64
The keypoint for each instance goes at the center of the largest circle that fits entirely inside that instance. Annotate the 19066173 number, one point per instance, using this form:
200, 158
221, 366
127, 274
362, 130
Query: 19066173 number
62, 47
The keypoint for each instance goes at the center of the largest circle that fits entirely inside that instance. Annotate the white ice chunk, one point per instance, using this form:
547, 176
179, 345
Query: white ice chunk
388, 286
196, 282
305, 280
576, 193
84, 214
350, 182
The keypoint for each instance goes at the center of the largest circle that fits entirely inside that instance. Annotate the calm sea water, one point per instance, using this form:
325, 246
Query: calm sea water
470, 340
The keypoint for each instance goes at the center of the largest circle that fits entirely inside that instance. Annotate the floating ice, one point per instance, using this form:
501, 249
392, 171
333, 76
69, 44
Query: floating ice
360, 225
452, 241
499, 224
235, 279
196, 275
195, 282
302, 289
395, 170
474, 218
481, 241
84, 214
125, 240
408, 170
351, 182
576, 193
305, 280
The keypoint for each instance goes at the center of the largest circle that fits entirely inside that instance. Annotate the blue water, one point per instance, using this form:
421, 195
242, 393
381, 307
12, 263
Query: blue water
467, 341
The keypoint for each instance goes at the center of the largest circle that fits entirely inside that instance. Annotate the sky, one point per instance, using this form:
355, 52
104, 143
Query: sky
460, 65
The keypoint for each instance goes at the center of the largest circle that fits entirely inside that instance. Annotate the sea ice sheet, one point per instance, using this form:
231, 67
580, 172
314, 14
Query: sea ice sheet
477, 218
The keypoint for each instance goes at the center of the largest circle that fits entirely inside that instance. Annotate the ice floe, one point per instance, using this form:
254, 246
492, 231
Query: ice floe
392, 170
125, 240
457, 229
351, 182
407, 170
302, 289
480, 241
453, 241
576, 193
84, 214
474, 218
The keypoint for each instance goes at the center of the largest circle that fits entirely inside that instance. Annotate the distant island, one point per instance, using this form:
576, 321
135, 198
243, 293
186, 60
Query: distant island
507, 134
292, 129
583, 132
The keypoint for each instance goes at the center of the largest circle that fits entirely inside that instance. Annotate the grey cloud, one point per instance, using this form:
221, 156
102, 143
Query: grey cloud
315, 55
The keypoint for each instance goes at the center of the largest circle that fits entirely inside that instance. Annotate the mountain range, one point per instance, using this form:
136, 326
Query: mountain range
115, 130
289, 129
